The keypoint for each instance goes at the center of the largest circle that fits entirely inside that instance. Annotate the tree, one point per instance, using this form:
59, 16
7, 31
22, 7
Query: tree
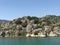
18, 21
3, 34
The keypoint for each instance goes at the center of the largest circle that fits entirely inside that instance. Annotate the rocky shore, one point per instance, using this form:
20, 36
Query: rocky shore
27, 26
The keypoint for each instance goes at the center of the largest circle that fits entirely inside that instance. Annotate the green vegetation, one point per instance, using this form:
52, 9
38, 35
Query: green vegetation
21, 23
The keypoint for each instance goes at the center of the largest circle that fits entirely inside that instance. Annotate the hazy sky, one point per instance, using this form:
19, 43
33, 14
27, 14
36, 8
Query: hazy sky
11, 9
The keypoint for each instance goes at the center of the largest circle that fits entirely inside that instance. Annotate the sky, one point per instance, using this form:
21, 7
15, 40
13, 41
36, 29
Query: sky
11, 9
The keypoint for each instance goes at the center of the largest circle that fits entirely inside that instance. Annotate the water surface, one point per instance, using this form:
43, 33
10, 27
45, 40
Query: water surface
30, 41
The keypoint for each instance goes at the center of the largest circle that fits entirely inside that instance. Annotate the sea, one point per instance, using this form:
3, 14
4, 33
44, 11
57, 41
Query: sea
30, 41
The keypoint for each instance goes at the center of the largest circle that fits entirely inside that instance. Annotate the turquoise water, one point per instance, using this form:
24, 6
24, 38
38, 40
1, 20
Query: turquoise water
30, 41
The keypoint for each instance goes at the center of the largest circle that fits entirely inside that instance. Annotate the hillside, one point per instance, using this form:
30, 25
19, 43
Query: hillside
4, 21
29, 24
20, 23
49, 20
